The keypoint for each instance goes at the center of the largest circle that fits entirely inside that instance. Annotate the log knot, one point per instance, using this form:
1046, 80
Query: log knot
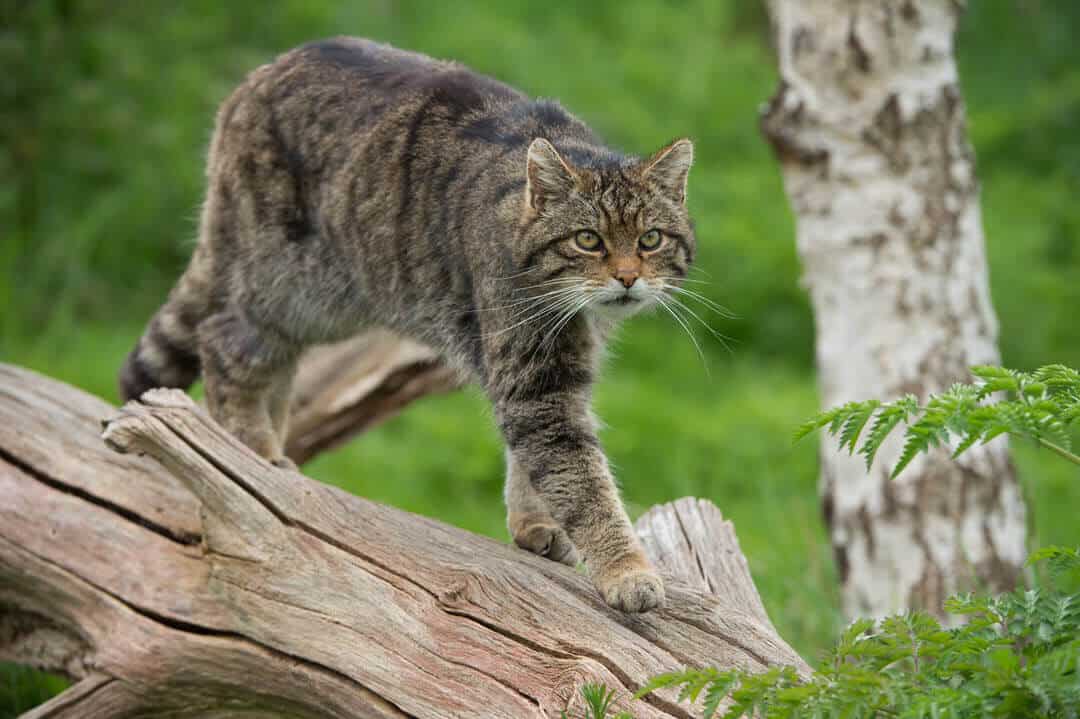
235, 487
126, 431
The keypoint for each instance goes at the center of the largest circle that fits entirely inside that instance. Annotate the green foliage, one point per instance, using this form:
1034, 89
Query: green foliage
598, 700
1017, 655
21, 688
1043, 406
108, 108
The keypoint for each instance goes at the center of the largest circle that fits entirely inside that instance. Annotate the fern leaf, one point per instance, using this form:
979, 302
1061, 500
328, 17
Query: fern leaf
692, 688
815, 423
669, 679
995, 379
886, 421
719, 688
967, 442
1058, 376
854, 423
991, 372
919, 438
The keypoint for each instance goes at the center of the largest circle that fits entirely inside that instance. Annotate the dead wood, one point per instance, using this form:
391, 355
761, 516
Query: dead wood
183, 576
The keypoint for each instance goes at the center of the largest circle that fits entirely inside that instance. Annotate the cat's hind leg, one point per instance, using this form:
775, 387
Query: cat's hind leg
529, 520
244, 368
280, 402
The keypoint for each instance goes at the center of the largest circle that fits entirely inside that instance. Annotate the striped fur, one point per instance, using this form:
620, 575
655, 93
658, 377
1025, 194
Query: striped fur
352, 185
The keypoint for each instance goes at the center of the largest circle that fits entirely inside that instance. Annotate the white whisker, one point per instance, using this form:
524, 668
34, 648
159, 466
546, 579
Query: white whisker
528, 300
549, 283
553, 333
519, 274
555, 305
689, 332
683, 279
719, 336
548, 342
714, 306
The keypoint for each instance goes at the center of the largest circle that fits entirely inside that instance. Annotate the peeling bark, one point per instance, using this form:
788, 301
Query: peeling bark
868, 125
183, 576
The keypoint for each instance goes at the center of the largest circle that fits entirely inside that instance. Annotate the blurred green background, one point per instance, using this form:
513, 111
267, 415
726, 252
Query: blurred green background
107, 110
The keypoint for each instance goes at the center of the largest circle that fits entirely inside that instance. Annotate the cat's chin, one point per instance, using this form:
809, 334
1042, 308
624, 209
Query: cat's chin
620, 309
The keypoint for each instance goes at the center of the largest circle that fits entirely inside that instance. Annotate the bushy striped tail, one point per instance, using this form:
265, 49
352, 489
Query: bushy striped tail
167, 353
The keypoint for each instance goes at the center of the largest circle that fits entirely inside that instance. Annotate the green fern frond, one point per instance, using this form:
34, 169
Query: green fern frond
887, 419
830, 418
1043, 406
719, 688
668, 679
692, 688
996, 379
919, 438
598, 701
1058, 377
854, 422
1017, 654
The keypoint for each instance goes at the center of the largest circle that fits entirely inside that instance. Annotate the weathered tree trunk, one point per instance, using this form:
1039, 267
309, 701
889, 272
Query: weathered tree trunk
186, 577
868, 125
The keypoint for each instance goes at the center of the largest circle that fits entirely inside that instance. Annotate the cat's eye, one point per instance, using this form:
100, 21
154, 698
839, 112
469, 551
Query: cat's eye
588, 241
650, 240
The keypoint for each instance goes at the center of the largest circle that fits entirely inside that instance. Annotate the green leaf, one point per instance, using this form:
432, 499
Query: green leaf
813, 424
967, 442
887, 419
918, 439
661, 681
719, 688
1017, 654
854, 423
990, 372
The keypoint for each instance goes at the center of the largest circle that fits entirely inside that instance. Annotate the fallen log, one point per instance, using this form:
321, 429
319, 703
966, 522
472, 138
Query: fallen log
345, 388
171, 572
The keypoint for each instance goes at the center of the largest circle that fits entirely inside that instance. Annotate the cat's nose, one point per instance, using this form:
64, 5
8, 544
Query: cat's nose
627, 276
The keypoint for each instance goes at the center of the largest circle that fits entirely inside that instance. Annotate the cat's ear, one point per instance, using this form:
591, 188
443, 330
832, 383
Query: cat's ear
547, 175
669, 168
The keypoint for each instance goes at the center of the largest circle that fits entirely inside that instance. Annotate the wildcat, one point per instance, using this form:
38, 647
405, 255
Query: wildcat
352, 184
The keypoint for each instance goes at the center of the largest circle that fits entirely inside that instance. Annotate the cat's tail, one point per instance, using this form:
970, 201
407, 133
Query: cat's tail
167, 353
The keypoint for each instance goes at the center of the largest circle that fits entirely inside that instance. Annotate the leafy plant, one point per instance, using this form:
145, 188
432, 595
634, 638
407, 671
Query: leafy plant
1043, 406
1017, 656
598, 699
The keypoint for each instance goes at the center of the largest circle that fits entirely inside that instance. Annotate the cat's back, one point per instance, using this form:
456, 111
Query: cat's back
359, 81
382, 68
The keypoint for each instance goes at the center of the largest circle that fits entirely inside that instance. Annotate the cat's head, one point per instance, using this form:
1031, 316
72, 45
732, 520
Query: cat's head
609, 237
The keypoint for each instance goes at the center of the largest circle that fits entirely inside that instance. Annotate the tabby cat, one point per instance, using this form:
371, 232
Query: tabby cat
352, 185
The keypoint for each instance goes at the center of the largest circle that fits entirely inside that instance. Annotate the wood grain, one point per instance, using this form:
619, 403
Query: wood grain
182, 575
345, 388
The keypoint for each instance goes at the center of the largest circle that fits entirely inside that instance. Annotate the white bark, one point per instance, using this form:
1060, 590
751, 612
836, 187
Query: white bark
868, 125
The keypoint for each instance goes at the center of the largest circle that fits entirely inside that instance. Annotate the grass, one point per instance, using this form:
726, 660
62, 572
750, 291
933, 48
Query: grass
22, 688
104, 137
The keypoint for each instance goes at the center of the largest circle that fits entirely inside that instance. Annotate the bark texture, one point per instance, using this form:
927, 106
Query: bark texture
868, 125
345, 388
183, 576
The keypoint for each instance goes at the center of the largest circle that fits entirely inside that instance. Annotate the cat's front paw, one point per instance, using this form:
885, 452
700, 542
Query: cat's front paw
634, 591
546, 539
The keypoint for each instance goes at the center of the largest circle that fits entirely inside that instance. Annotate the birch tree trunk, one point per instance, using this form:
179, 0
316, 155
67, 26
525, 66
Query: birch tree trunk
868, 125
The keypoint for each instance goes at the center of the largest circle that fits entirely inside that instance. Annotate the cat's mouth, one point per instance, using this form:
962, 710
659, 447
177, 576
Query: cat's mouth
622, 300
